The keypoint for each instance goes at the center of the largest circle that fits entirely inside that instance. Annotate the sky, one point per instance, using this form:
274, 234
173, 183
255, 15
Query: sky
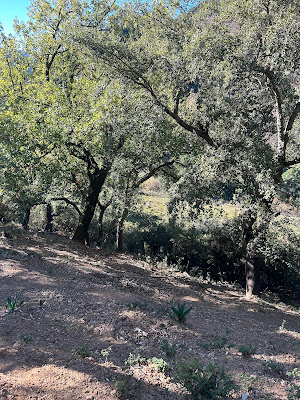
9, 9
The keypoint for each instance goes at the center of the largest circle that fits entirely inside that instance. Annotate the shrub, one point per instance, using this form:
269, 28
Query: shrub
168, 348
180, 312
247, 350
82, 351
159, 364
125, 387
209, 382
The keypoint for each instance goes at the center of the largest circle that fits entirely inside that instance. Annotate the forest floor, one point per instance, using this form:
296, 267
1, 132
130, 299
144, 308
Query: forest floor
85, 311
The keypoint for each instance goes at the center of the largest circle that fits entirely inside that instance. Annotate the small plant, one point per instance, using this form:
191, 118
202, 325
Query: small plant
82, 351
294, 392
219, 342
282, 326
204, 382
295, 373
247, 350
105, 353
247, 381
135, 358
137, 304
180, 312
125, 388
12, 303
41, 303
159, 364
26, 338
168, 348
273, 366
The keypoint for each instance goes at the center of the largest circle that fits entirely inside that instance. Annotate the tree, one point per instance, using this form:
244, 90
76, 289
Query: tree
226, 72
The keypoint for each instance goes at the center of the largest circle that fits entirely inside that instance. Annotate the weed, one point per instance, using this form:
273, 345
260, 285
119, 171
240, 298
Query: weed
159, 364
169, 348
218, 342
247, 350
82, 351
135, 358
125, 388
26, 338
180, 312
137, 304
12, 303
203, 345
41, 303
273, 366
294, 392
295, 373
282, 326
247, 381
210, 381
105, 353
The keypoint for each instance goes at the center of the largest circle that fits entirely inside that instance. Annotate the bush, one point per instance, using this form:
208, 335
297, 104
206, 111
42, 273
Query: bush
209, 382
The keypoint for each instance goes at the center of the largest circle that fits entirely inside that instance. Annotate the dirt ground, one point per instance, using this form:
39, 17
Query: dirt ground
84, 312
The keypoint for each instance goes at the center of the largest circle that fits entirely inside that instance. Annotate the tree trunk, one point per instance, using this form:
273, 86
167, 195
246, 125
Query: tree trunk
103, 208
25, 223
120, 230
97, 180
252, 271
49, 217
100, 227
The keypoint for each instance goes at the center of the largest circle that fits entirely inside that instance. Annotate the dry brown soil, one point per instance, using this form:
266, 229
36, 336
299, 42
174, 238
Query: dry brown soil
92, 301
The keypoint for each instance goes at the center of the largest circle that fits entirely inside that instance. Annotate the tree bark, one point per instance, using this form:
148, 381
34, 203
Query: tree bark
252, 271
120, 230
49, 217
97, 179
25, 223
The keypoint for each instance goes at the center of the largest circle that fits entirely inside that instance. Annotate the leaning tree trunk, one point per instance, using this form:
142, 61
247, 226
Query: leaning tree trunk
97, 180
49, 217
25, 223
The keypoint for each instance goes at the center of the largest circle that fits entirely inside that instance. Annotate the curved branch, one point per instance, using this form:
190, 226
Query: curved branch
71, 203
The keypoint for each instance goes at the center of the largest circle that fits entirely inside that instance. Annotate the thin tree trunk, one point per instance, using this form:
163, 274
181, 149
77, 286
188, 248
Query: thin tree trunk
120, 230
103, 208
49, 217
97, 180
25, 223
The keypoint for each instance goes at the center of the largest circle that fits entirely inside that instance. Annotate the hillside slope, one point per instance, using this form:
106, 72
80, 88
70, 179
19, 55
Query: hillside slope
84, 313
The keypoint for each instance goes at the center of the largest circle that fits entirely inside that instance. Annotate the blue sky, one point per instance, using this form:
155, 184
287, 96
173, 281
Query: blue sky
9, 9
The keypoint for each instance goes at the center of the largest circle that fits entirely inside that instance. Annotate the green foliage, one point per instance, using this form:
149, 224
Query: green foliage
294, 392
295, 373
26, 338
207, 382
106, 352
273, 366
169, 348
282, 326
247, 350
137, 304
82, 351
159, 364
12, 303
135, 358
180, 312
218, 342
126, 388
248, 381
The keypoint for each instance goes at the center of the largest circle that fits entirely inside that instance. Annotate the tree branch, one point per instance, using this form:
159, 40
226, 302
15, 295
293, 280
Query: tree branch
71, 203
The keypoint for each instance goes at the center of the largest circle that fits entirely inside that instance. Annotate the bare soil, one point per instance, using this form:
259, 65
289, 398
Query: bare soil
79, 302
